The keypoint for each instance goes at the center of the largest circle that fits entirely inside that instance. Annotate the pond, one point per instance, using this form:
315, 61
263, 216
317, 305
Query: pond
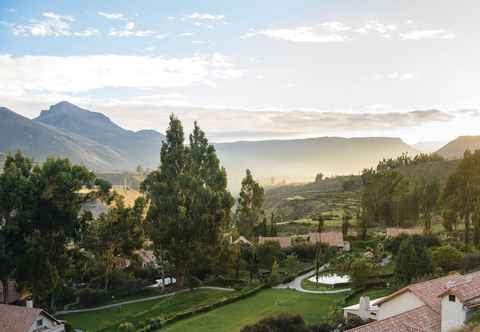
330, 279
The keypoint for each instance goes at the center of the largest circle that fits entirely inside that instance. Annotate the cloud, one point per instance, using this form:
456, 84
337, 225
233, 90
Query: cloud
112, 16
336, 31
395, 76
304, 34
206, 17
427, 34
186, 34
52, 24
72, 74
130, 31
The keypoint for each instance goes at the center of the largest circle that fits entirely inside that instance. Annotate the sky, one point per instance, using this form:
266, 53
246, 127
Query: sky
250, 69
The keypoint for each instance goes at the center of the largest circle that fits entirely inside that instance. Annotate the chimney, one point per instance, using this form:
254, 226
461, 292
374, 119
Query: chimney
30, 303
364, 308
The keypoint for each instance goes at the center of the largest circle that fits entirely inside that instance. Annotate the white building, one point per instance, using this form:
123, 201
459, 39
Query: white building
438, 305
24, 319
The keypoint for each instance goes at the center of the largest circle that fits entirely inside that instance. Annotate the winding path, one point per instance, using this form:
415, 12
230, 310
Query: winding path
296, 284
119, 304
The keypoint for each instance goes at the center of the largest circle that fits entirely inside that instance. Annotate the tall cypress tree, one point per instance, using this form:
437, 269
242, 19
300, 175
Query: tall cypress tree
189, 201
250, 203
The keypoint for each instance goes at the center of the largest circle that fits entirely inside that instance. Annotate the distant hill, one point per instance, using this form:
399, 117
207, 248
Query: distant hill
429, 146
458, 146
301, 159
138, 148
39, 140
93, 139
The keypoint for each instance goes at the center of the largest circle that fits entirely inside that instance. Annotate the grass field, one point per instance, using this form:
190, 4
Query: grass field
232, 317
110, 318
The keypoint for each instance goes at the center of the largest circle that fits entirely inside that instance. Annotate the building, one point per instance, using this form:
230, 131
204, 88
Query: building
13, 294
27, 319
438, 305
283, 241
332, 238
393, 232
242, 240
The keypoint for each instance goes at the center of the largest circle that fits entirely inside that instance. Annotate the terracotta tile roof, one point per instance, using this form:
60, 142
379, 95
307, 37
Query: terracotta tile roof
13, 294
466, 288
284, 241
395, 231
427, 291
19, 319
334, 239
422, 319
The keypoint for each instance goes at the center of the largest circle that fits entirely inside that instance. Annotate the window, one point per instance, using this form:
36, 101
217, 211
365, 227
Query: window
451, 298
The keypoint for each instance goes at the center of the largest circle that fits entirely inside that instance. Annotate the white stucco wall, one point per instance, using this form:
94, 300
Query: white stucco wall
399, 304
453, 314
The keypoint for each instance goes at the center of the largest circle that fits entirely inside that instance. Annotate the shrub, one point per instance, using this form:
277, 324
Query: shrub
126, 327
267, 253
447, 258
471, 262
281, 323
360, 272
90, 297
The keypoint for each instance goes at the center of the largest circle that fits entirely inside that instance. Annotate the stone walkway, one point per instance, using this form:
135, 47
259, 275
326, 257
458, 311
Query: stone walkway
296, 284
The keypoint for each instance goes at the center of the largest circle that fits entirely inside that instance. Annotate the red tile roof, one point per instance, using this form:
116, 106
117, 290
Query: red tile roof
284, 241
334, 239
18, 319
422, 319
466, 288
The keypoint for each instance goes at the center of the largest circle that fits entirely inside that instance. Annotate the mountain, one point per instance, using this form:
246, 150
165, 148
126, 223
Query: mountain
300, 159
93, 139
39, 140
457, 147
429, 146
138, 148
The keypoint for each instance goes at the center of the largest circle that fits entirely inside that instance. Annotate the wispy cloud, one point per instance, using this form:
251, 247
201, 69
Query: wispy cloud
112, 16
427, 34
395, 76
205, 17
52, 24
73, 74
336, 31
130, 31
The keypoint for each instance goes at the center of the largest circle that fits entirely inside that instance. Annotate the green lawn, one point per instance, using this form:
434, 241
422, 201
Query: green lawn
232, 317
110, 318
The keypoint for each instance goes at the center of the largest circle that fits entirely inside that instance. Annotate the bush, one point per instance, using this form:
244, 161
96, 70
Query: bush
471, 262
126, 327
90, 297
267, 253
447, 258
281, 323
360, 272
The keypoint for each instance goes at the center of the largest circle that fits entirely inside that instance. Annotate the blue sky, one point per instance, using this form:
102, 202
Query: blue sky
250, 69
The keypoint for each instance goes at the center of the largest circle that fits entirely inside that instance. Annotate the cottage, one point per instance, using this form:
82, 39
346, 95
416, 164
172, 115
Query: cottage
332, 238
27, 319
283, 241
437, 305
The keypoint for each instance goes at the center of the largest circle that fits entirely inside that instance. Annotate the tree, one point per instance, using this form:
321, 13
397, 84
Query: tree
429, 197
462, 191
447, 258
291, 263
320, 223
281, 323
319, 177
360, 272
346, 217
267, 253
189, 201
250, 202
116, 235
273, 224
412, 261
